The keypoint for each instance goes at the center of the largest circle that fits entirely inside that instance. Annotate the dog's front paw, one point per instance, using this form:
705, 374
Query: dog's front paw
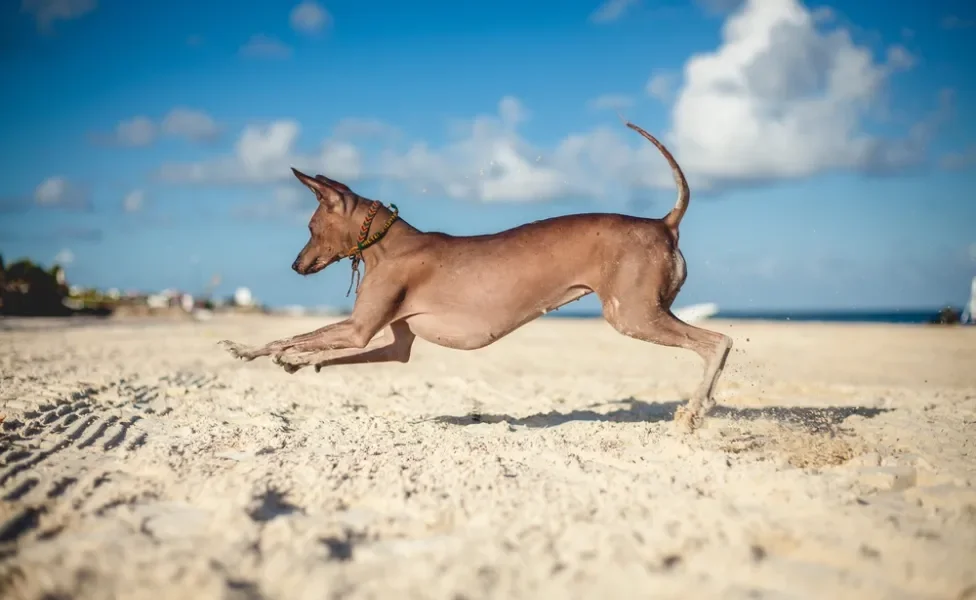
291, 362
238, 350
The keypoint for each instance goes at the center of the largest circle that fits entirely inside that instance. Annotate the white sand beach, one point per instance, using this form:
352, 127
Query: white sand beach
139, 460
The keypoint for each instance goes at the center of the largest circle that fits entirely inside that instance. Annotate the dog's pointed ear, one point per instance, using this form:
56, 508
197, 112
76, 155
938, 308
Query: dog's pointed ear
330, 196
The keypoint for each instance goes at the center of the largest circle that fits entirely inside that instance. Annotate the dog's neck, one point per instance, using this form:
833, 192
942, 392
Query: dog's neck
377, 251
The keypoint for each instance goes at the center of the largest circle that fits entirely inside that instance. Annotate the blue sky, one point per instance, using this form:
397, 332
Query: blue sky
830, 154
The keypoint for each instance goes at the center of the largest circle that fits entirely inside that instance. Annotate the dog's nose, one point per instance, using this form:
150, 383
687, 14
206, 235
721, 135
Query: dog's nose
294, 266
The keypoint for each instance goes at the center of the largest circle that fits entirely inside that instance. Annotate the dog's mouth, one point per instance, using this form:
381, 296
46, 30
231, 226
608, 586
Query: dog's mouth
317, 265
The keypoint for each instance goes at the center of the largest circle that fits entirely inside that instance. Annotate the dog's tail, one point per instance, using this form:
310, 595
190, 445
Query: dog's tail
673, 218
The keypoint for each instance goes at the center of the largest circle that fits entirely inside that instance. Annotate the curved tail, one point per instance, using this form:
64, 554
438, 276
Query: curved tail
673, 218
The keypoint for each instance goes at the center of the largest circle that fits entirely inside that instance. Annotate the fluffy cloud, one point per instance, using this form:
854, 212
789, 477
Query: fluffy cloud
186, 123
58, 192
611, 10
661, 85
485, 159
309, 17
265, 154
134, 201
899, 58
137, 131
46, 12
611, 102
264, 46
287, 202
720, 6
780, 98
190, 124
956, 22
957, 161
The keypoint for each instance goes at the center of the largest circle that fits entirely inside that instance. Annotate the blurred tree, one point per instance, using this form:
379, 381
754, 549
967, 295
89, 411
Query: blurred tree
29, 290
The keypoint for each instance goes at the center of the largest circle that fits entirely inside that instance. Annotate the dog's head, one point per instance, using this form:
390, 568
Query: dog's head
329, 228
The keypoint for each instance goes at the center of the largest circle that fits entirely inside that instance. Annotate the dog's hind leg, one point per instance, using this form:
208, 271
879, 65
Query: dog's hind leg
655, 324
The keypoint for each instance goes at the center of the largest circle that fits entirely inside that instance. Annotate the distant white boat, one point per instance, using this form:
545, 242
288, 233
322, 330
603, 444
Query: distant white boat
969, 313
696, 312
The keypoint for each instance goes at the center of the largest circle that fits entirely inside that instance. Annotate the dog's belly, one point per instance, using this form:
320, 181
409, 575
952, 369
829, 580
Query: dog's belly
454, 330
477, 324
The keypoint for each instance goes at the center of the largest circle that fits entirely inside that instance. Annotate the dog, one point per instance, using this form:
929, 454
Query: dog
466, 292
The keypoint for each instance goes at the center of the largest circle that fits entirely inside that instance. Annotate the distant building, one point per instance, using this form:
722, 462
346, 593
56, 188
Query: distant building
157, 301
242, 297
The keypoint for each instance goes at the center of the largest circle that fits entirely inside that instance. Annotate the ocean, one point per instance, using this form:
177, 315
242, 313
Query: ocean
907, 316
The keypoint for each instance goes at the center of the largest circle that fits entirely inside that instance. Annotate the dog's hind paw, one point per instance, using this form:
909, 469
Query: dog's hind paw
238, 350
687, 420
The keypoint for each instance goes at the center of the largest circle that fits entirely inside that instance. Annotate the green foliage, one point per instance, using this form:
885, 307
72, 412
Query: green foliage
28, 289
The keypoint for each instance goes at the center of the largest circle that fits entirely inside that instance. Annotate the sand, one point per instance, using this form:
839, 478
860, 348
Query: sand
141, 461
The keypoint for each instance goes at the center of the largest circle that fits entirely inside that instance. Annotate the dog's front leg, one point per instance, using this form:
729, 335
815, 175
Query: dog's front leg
393, 344
251, 352
375, 307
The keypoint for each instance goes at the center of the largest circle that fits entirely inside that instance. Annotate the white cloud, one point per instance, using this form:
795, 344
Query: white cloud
50, 190
137, 131
485, 159
489, 161
823, 14
287, 201
957, 161
46, 12
661, 85
309, 17
58, 192
611, 10
187, 123
287, 196
65, 257
720, 6
263, 46
134, 201
190, 124
900, 58
611, 102
780, 98
266, 153
956, 22
511, 111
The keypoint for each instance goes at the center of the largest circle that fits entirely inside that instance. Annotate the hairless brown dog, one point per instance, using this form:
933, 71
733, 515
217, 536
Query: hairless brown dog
468, 292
